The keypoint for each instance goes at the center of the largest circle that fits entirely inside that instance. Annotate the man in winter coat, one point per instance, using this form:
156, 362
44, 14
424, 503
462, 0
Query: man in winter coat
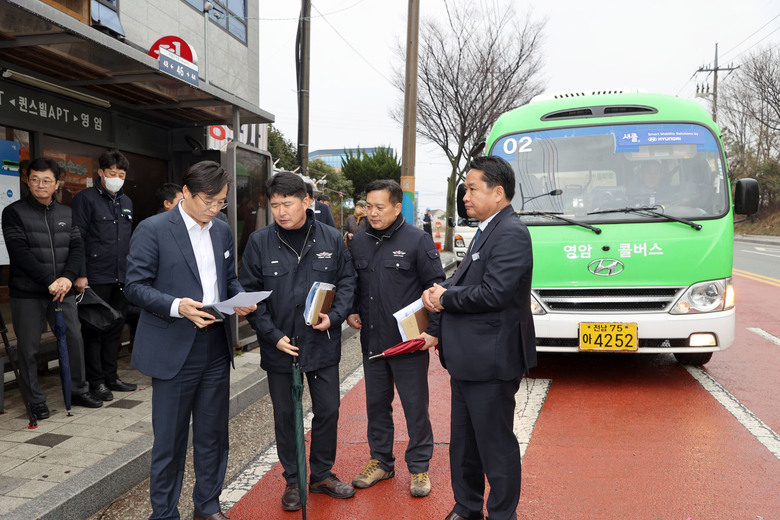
287, 257
46, 252
395, 261
104, 215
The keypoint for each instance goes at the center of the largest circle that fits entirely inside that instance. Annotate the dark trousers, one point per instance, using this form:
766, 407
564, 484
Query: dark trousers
483, 443
409, 375
29, 316
201, 391
101, 346
325, 398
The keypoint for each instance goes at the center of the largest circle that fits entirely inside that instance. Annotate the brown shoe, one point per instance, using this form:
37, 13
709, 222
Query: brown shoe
216, 516
332, 486
291, 500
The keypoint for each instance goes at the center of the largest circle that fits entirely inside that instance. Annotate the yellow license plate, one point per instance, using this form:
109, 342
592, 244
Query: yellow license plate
610, 337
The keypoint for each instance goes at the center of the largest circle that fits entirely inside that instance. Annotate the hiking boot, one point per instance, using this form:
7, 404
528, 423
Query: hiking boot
371, 474
421, 484
333, 487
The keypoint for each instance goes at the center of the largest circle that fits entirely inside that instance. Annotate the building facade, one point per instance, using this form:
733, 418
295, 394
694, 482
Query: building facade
80, 76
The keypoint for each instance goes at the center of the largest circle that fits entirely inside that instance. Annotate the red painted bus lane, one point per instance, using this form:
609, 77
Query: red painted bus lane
619, 437
637, 437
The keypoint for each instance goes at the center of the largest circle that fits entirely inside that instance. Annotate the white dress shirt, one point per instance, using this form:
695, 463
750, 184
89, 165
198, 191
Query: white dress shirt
200, 238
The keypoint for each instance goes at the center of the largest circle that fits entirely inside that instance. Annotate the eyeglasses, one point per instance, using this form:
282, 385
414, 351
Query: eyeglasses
45, 181
221, 204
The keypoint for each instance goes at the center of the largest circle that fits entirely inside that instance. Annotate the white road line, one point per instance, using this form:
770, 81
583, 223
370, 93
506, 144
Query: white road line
764, 334
530, 398
763, 433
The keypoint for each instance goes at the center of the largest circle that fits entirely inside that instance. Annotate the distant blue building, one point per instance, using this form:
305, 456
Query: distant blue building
333, 156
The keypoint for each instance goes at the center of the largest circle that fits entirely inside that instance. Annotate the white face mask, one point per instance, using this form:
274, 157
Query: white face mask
113, 184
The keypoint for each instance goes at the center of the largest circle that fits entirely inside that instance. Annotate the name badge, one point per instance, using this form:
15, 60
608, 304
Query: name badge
227, 253
475, 257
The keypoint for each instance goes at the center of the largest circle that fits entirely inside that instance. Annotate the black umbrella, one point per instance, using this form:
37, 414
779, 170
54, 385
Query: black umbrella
296, 389
60, 331
10, 352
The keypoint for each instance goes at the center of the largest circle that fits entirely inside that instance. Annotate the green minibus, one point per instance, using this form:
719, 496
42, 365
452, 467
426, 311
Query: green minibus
628, 202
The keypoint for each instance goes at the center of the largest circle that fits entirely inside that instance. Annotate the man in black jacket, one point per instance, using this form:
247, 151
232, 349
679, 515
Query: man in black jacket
395, 262
46, 252
104, 215
487, 343
321, 210
287, 257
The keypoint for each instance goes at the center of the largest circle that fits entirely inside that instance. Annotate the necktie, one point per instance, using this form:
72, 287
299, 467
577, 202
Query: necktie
476, 236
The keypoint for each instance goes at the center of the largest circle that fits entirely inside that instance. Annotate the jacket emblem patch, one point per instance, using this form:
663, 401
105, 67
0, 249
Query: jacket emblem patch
324, 254
399, 253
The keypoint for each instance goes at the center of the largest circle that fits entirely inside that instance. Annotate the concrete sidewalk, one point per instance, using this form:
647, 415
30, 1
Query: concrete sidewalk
72, 466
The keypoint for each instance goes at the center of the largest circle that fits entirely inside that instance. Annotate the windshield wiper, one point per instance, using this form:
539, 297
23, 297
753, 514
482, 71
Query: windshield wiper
649, 211
559, 217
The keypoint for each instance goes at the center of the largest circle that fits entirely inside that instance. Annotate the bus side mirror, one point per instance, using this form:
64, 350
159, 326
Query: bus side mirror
451, 222
746, 197
460, 192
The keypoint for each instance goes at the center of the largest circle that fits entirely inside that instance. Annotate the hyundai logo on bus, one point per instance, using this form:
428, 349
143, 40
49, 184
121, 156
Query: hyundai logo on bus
606, 267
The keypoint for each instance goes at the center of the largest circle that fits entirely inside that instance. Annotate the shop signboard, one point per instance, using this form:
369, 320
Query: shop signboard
25, 107
178, 67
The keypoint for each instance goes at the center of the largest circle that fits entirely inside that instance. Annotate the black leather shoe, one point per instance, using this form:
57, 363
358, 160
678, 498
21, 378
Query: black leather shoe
455, 516
87, 400
40, 410
291, 500
121, 386
102, 392
333, 487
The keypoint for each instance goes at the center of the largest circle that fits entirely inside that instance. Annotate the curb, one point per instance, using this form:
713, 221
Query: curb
758, 239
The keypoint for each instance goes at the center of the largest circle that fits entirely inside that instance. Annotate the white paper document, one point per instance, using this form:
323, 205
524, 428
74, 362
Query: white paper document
242, 299
404, 313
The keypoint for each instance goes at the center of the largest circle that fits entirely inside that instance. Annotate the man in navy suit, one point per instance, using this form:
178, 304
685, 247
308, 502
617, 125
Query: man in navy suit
180, 261
487, 342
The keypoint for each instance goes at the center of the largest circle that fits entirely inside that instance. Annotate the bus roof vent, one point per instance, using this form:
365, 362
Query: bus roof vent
599, 111
583, 93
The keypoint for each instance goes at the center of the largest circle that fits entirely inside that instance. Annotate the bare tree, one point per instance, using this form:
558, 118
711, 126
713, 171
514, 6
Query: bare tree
473, 67
751, 110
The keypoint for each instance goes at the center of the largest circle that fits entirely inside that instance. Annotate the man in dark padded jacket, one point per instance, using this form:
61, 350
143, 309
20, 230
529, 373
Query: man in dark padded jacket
46, 251
286, 258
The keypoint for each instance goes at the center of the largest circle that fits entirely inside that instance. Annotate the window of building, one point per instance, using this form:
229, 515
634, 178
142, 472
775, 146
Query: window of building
105, 16
80, 162
228, 14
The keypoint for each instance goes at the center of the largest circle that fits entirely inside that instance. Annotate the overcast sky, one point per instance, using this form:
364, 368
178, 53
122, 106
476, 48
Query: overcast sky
653, 45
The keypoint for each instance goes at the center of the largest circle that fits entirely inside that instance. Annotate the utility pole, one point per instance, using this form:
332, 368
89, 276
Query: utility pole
715, 71
410, 112
302, 69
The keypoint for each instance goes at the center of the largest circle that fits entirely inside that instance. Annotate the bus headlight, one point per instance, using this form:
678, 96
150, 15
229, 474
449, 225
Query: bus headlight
459, 242
711, 296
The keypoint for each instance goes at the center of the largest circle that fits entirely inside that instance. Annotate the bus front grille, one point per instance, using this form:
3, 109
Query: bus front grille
624, 299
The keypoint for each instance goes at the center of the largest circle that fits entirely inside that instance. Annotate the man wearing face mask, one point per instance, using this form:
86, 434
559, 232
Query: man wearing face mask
104, 215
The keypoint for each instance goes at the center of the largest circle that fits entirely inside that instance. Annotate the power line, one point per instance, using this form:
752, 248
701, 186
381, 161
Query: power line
352, 47
753, 34
759, 41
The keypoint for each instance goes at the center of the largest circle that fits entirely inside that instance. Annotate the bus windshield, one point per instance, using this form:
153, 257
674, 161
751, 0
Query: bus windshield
606, 173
